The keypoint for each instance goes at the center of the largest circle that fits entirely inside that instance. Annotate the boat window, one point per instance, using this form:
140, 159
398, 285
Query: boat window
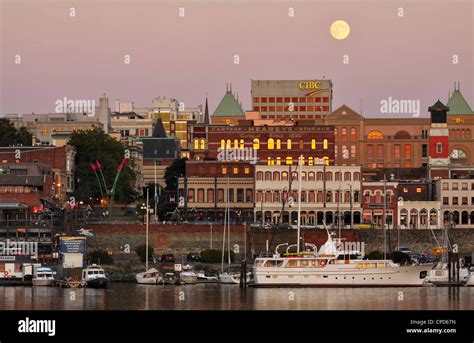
270, 263
259, 263
90, 272
292, 263
304, 263
359, 265
280, 263
380, 265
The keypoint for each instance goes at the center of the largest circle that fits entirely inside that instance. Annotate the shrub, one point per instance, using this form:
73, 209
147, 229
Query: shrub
100, 257
215, 256
141, 252
400, 257
374, 255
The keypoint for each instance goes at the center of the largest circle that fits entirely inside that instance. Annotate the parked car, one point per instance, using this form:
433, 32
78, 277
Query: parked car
193, 257
167, 258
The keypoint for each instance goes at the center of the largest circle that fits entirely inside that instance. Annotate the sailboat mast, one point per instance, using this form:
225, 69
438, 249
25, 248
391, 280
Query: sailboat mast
300, 162
228, 224
147, 221
223, 234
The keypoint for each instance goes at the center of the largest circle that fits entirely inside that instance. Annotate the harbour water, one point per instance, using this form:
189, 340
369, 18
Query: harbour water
131, 296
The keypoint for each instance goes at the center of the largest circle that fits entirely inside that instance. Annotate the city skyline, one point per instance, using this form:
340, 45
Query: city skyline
64, 56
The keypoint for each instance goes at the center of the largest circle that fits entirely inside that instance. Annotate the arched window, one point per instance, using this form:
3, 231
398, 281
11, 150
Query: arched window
289, 160
328, 176
319, 176
325, 144
353, 134
356, 176
228, 144
256, 143
222, 143
288, 144
347, 176
196, 144
242, 144
311, 176
278, 145
268, 176
270, 161
276, 176
337, 176
203, 144
260, 176
458, 154
375, 135
270, 144
313, 144
284, 176
343, 134
278, 161
236, 143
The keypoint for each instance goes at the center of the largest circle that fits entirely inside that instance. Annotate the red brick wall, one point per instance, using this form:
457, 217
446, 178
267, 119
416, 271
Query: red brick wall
132, 228
55, 157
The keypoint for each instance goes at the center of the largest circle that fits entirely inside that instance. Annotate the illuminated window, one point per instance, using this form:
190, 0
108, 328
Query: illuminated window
310, 161
343, 134
301, 144
196, 144
326, 160
228, 144
407, 151
313, 144
289, 160
439, 148
278, 161
256, 143
236, 170
353, 151
325, 144
284, 176
247, 170
288, 144
353, 134
271, 144
278, 144
203, 144
224, 170
270, 161
375, 135
222, 143
242, 144
236, 143
418, 189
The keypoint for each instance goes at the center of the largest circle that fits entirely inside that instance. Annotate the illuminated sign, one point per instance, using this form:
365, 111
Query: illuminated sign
309, 84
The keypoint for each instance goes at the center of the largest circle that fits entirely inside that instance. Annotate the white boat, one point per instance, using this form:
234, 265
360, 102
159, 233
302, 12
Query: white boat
470, 278
44, 276
150, 277
188, 277
440, 274
332, 267
202, 277
94, 277
232, 276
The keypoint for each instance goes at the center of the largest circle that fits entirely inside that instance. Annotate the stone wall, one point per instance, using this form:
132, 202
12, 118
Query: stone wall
182, 239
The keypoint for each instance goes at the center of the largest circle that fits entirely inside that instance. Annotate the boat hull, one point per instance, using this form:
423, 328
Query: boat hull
349, 277
44, 282
470, 280
98, 283
188, 279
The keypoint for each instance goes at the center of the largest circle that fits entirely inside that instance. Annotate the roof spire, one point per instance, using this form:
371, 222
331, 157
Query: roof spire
459, 86
231, 87
206, 113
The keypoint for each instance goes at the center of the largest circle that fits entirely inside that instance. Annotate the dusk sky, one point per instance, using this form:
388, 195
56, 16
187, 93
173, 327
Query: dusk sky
82, 57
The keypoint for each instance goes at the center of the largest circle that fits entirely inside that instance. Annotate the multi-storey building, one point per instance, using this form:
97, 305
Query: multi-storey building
328, 193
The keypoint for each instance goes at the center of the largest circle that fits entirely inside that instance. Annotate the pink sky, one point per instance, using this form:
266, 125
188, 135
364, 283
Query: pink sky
82, 57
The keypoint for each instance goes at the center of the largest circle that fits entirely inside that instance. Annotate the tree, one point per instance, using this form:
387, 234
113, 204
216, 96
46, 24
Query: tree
141, 252
92, 146
10, 136
175, 170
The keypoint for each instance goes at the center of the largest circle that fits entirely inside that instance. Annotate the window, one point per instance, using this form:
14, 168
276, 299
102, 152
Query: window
311, 176
200, 195
345, 152
268, 176
278, 144
455, 201
236, 170
353, 134
278, 161
380, 151
231, 195
284, 176
375, 135
343, 134
310, 161
196, 144
259, 176
464, 186
271, 144
464, 200
288, 144
356, 176
270, 161
276, 176
236, 143
289, 160
248, 195
301, 144
325, 144
191, 195
347, 176
220, 195
454, 186
396, 151
370, 151
240, 195
445, 186
424, 150
242, 144
313, 144
445, 201
259, 196
246, 170
210, 195
439, 148
418, 189
353, 151
407, 151
222, 143
256, 143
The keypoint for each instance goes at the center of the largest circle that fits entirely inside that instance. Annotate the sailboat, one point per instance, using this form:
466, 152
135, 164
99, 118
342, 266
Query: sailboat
149, 276
331, 266
440, 272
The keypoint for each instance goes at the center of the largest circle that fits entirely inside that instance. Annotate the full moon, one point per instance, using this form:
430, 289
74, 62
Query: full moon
340, 29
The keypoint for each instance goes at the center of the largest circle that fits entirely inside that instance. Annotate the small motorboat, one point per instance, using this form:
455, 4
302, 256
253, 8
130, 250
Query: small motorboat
94, 277
202, 277
232, 276
188, 277
170, 279
149, 277
44, 276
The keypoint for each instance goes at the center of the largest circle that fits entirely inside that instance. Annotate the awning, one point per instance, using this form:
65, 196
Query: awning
12, 204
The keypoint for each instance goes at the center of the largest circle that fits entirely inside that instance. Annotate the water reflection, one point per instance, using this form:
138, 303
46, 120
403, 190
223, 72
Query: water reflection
129, 296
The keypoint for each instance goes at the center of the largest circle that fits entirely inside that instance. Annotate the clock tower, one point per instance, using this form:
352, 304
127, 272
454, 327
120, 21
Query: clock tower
439, 136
